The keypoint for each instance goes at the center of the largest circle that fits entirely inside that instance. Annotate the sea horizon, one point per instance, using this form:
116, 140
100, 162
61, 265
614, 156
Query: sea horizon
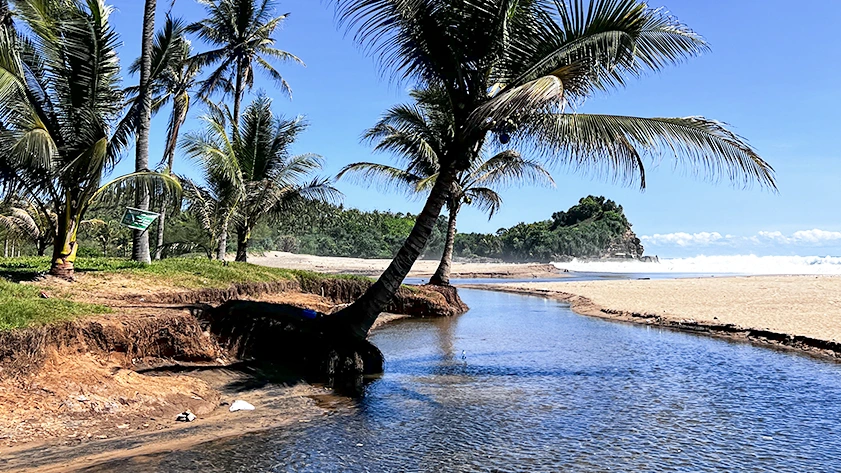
742, 264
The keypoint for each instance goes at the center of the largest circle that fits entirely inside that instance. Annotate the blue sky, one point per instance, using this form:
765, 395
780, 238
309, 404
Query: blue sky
772, 75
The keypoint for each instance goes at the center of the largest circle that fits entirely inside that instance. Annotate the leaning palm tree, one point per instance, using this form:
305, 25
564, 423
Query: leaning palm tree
59, 96
251, 166
174, 76
418, 134
241, 31
515, 72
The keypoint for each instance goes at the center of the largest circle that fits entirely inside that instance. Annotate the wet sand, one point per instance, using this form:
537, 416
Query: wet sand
776, 307
421, 269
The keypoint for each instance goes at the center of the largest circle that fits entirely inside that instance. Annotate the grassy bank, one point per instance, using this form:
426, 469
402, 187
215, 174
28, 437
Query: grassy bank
21, 304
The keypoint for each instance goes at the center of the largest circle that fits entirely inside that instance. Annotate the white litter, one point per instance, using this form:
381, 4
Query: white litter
240, 405
186, 416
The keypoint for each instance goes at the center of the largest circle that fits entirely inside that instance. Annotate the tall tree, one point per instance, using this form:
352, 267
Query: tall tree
174, 75
140, 242
250, 167
418, 134
59, 96
242, 31
511, 69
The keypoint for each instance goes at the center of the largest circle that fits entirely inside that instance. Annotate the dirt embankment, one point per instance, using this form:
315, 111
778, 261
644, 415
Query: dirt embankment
131, 372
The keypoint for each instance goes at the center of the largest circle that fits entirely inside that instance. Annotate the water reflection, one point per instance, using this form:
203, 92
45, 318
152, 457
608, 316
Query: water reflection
542, 389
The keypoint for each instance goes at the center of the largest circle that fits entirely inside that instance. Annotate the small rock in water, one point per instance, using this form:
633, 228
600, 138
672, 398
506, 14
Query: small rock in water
240, 405
186, 416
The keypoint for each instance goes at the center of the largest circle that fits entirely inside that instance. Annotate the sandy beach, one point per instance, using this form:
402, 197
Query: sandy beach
421, 269
793, 306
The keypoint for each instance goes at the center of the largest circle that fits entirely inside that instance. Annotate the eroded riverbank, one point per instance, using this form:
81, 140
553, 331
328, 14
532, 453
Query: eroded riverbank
88, 383
522, 384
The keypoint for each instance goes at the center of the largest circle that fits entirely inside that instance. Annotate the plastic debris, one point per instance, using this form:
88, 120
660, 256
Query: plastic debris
186, 416
240, 405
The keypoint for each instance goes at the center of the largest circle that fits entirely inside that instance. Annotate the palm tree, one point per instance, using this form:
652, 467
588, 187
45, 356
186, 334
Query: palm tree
211, 205
27, 221
140, 238
515, 71
59, 97
174, 75
252, 170
418, 134
242, 32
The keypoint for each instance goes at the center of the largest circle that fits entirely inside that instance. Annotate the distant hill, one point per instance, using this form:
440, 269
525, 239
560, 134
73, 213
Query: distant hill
594, 228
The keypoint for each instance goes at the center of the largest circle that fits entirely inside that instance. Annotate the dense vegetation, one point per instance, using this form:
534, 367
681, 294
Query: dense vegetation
587, 230
317, 228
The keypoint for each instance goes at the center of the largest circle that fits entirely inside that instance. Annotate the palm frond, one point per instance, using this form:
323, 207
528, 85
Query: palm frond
509, 168
382, 176
483, 198
614, 146
164, 188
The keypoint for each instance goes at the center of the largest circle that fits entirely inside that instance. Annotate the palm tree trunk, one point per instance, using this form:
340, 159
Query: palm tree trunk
140, 239
357, 319
442, 274
180, 114
65, 247
237, 93
242, 245
222, 250
159, 247
6, 248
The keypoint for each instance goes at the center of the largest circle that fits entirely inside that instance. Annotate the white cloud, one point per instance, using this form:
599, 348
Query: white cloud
682, 239
814, 237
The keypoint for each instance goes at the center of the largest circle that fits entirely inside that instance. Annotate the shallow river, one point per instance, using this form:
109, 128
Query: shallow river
521, 384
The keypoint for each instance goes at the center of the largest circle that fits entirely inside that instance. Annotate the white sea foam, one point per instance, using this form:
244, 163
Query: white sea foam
737, 264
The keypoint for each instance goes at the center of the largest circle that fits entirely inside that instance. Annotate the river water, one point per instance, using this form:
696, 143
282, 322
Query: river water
522, 384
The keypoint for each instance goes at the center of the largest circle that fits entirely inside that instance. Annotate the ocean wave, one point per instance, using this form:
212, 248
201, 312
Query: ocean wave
738, 264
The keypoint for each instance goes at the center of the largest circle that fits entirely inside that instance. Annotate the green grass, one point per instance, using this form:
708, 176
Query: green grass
187, 273
21, 306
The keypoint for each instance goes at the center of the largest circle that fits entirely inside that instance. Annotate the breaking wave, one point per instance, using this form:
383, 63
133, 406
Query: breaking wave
738, 264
